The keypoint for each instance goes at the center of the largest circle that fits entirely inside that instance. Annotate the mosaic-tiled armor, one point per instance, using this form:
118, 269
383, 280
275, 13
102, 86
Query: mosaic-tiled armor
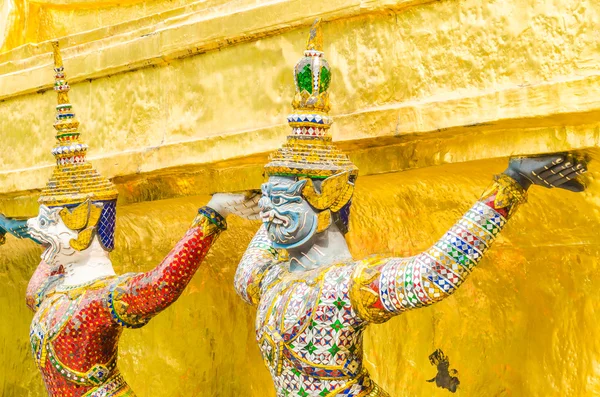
76, 327
75, 330
314, 301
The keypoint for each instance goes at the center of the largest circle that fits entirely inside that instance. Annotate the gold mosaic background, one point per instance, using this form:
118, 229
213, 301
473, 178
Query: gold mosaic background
179, 100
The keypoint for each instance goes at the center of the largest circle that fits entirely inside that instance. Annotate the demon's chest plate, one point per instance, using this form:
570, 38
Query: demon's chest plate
305, 323
50, 319
73, 337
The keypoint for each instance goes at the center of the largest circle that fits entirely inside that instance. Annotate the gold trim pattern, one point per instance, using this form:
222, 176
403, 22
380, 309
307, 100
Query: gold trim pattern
361, 294
508, 193
114, 387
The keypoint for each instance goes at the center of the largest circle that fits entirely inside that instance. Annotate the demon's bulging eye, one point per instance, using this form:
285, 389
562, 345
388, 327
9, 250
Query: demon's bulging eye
277, 200
47, 221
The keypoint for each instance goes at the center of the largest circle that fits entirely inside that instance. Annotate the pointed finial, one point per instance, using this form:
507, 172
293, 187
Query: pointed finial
60, 85
69, 149
315, 38
58, 63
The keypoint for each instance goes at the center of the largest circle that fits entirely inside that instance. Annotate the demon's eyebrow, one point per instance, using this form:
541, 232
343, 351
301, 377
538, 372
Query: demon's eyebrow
48, 212
280, 189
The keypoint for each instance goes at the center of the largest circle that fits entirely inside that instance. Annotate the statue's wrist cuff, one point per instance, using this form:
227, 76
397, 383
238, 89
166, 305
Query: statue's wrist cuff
510, 188
520, 179
505, 195
212, 216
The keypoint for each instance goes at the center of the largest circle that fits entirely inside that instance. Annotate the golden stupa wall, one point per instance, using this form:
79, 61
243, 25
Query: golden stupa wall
178, 100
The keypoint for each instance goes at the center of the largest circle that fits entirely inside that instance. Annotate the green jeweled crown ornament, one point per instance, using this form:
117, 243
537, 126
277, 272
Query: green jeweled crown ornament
309, 151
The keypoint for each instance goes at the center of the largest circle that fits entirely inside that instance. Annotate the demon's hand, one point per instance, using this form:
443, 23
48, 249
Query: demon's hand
16, 227
244, 205
557, 170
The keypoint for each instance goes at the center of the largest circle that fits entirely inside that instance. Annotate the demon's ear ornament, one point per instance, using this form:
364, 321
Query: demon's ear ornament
336, 192
76, 218
82, 219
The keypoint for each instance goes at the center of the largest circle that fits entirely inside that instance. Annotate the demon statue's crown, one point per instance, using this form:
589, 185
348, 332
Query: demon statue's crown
87, 198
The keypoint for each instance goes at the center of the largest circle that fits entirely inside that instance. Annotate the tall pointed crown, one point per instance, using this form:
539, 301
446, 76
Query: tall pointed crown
309, 151
74, 180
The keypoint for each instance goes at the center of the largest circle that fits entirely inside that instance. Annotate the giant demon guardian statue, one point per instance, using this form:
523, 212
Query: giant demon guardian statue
80, 304
314, 300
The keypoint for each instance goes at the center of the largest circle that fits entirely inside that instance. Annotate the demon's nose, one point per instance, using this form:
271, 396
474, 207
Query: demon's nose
265, 204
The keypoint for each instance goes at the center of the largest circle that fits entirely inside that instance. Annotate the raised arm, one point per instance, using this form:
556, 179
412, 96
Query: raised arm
259, 256
135, 298
14, 226
383, 288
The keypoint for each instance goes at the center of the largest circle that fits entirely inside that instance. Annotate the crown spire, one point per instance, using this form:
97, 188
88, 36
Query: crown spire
63, 95
74, 180
69, 148
315, 37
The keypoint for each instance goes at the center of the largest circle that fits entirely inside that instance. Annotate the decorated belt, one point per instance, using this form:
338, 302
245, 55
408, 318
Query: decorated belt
370, 388
113, 387
349, 369
96, 376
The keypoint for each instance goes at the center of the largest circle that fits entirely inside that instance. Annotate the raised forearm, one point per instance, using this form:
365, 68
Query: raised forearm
437, 272
259, 255
16, 227
136, 298
389, 286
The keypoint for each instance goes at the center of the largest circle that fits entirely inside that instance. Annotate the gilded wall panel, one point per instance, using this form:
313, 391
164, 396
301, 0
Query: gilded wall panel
383, 61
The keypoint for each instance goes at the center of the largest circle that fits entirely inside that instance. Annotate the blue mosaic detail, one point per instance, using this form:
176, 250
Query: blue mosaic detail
106, 224
214, 217
343, 215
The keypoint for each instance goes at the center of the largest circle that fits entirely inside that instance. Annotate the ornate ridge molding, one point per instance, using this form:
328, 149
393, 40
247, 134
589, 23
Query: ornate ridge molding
174, 34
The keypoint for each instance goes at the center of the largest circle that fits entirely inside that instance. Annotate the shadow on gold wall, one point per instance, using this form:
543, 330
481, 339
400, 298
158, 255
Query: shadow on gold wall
523, 325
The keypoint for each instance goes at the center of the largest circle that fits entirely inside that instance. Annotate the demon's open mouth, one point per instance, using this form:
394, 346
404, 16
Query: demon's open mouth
50, 245
273, 218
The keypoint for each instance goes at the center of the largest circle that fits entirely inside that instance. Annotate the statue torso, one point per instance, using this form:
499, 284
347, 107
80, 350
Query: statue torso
74, 342
308, 333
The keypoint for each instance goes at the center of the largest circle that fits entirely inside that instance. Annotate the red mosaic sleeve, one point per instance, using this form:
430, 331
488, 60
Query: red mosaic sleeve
135, 298
384, 287
257, 258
